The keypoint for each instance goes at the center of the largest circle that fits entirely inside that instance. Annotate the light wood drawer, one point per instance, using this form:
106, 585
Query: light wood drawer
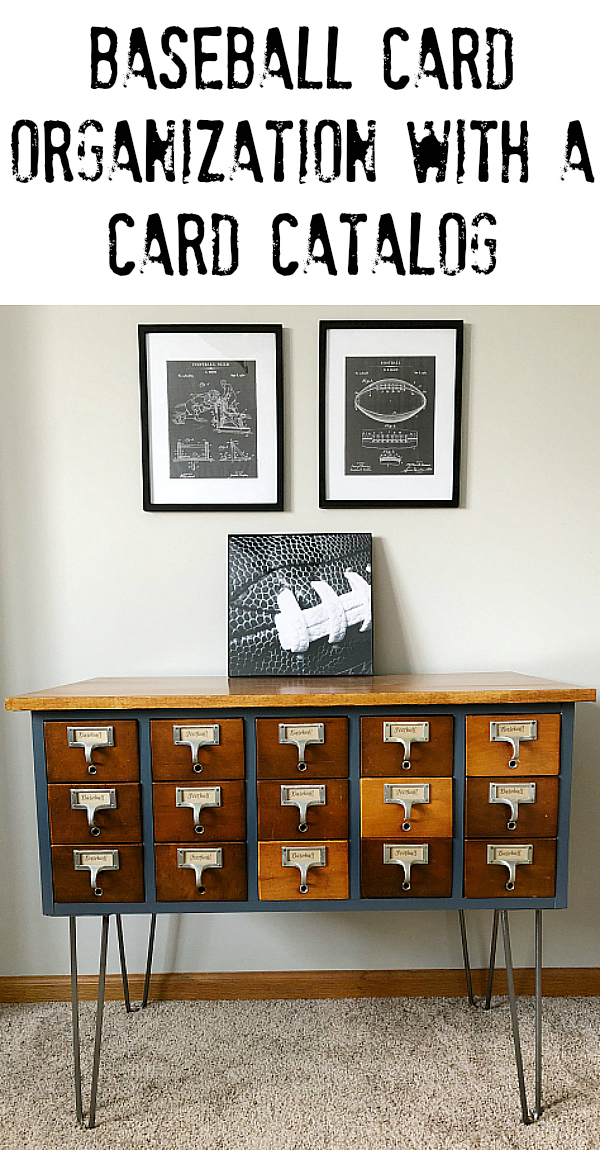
537, 818
110, 764
123, 885
326, 760
379, 757
278, 821
428, 879
536, 879
538, 756
381, 819
175, 824
223, 760
123, 824
279, 882
175, 883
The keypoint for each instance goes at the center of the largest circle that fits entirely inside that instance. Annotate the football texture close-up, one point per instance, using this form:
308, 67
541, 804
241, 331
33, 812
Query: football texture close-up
300, 604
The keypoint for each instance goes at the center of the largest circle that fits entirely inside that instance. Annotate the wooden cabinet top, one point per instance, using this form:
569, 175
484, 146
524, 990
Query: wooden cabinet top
377, 690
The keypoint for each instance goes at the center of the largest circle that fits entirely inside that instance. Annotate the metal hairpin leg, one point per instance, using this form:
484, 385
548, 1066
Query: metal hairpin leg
75, 1020
99, 1014
492, 966
128, 1007
149, 961
528, 1117
465, 950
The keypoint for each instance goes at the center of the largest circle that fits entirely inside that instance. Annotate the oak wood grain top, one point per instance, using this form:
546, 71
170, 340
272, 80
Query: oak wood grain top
378, 690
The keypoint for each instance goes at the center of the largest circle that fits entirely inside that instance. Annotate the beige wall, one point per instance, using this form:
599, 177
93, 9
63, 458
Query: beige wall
510, 580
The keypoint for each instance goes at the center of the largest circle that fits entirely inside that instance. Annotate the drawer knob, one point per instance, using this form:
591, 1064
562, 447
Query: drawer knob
512, 795
199, 861
197, 799
196, 737
515, 734
91, 802
303, 798
304, 859
95, 862
89, 738
406, 797
301, 735
406, 734
406, 857
511, 857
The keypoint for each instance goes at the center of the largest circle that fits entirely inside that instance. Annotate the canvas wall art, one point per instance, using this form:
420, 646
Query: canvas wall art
300, 604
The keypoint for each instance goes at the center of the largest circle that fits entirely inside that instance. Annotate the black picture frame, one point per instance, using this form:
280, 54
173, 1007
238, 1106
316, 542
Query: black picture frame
238, 464
430, 351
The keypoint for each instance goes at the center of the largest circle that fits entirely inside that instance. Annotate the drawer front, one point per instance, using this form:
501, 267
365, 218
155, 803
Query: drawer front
176, 824
430, 879
538, 819
279, 882
381, 819
277, 821
536, 879
110, 764
223, 760
538, 756
121, 824
326, 760
175, 883
379, 757
123, 885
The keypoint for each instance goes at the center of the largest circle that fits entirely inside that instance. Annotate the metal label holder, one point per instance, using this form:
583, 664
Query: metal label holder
200, 865
406, 857
512, 859
197, 806
410, 733
515, 734
96, 862
304, 803
406, 801
527, 795
315, 733
88, 739
315, 856
206, 735
95, 801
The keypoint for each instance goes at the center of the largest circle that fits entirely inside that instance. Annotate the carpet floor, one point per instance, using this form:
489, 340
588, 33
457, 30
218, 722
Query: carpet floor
370, 1074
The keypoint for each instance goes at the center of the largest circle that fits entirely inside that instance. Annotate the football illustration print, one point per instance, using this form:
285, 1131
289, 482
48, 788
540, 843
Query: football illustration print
300, 604
390, 415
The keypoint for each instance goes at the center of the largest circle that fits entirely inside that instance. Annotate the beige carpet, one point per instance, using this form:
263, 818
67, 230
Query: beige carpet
370, 1074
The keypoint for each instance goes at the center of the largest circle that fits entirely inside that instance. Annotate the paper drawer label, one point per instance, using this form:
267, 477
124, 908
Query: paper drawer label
400, 794
316, 855
97, 858
518, 730
209, 858
97, 798
519, 792
419, 732
511, 854
314, 732
413, 854
100, 735
208, 734
207, 796
313, 795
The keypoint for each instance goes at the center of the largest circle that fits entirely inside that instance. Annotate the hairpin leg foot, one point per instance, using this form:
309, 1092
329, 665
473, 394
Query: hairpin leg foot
466, 962
128, 1007
149, 961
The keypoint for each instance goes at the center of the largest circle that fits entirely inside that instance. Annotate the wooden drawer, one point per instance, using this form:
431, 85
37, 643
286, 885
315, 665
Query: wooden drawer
326, 760
536, 879
279, 882
434, 757
119, 763
224, 760
175, 883
278, 821
428, 879
123, 824
381, 819
487, 819
175, 824
123, 885
539, 756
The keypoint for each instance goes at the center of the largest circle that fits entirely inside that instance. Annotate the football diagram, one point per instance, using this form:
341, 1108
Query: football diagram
390, 400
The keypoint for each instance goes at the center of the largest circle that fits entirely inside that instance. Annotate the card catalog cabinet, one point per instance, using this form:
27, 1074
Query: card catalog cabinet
275, 794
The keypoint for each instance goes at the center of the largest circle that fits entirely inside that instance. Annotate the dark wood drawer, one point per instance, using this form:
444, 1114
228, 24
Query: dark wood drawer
381, 757
121, 824
278, 882
428, 870
175, 824
326, 760
486, 818
382, 814
223, 760
181, 883
536, 879
110, 764
277, 820
537, 756
123, 885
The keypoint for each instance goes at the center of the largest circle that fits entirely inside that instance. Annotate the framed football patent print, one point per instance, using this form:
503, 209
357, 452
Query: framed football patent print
390, 413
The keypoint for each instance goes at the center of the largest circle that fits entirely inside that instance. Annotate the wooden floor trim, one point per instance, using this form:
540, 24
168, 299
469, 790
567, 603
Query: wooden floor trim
269, 985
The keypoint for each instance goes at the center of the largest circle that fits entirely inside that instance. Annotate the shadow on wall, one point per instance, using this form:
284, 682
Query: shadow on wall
390, 648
